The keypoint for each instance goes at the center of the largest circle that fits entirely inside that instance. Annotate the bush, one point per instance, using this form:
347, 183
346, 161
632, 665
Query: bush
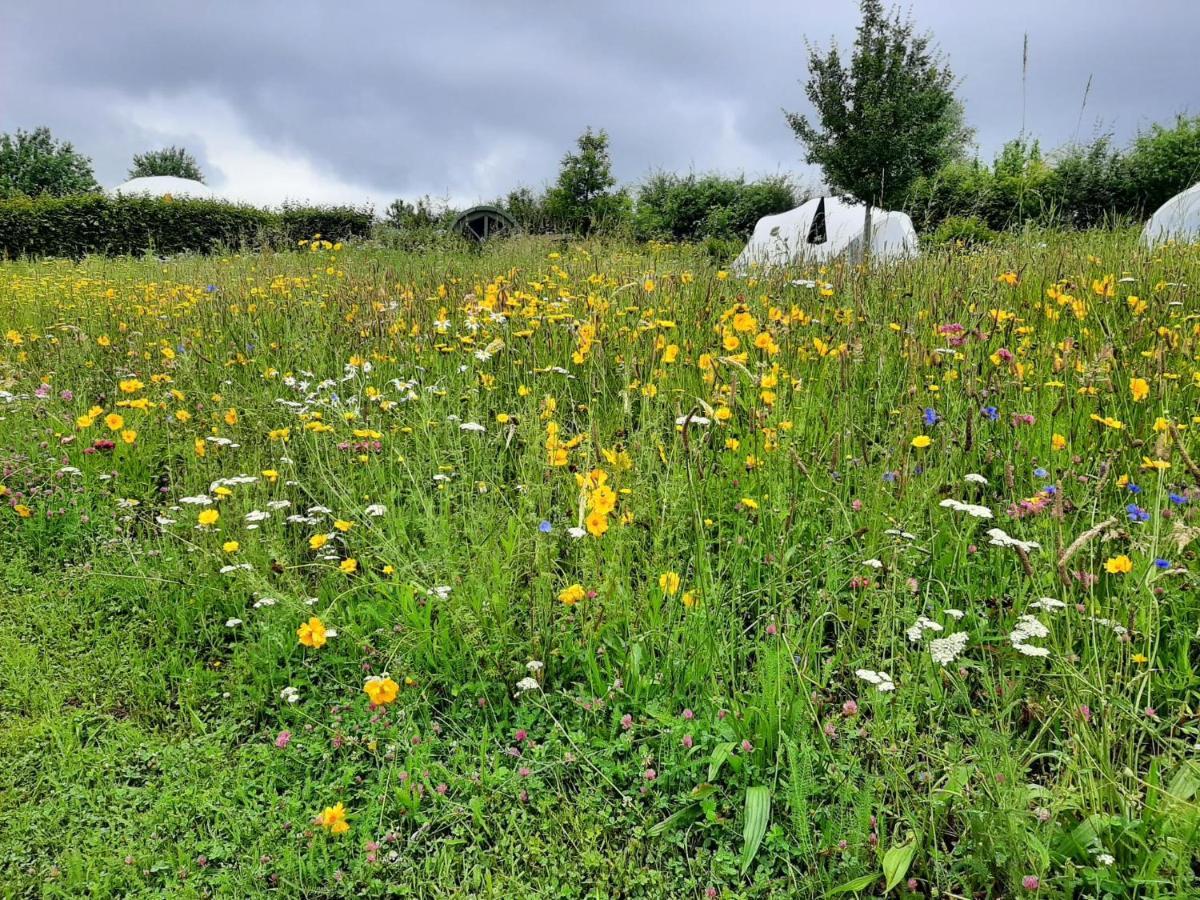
966, 230
88, 224
692, 208
1081, 185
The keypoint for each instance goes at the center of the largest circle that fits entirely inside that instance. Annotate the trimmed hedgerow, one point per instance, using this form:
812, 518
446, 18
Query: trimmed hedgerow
77, 226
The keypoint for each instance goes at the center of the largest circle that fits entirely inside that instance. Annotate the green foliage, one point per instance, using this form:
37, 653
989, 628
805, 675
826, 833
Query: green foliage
969, 231
34, 164
176, 161
80, 225
888, 117
582, 200
693, 208
425, 213
1079, 186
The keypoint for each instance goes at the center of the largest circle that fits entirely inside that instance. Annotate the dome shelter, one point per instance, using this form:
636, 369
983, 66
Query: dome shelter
1176, 220
821, 230
164, 185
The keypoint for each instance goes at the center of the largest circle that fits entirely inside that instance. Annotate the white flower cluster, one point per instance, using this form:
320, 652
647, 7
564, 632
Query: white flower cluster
1029, 628
1000, 539
979, 512
946, 650
882, 680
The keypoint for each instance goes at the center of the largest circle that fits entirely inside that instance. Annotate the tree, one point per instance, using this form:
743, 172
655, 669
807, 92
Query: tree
174, 161
887, 119
582, 199
33, 163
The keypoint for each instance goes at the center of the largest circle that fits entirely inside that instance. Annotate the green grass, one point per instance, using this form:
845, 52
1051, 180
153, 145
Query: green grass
669, 748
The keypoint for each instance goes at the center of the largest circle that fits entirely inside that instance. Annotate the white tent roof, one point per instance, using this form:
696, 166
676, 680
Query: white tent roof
784, 239
160, 185
1178, 219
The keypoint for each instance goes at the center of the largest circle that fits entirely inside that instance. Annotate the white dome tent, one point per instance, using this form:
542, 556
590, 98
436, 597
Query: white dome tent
1176, 220
825, 228
165, 185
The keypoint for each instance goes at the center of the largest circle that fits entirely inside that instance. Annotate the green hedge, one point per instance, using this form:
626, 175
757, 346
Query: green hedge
95, 224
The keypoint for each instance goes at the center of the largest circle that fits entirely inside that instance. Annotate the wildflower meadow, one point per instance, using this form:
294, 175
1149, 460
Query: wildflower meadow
590, 569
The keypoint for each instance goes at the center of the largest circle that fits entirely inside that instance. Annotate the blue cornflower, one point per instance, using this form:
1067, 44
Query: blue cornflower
889, 477
1050, 489
545, 527
1133, 488
1039, 472
1136, 513
1177, 499
1162, 564
991, 412
210, 289
930, 416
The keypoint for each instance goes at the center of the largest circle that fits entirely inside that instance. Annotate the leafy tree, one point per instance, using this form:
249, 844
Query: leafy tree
33, 163
425, 213
887, 118
167, 161
582, 199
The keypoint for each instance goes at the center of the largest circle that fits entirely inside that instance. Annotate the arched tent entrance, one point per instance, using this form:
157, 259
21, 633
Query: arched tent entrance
481, 223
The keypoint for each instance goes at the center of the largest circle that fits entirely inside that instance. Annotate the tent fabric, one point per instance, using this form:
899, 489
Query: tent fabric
1176, 220
161, 185
825, 228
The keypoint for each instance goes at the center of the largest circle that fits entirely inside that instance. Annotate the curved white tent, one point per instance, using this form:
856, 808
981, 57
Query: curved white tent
1176, 220
162, 185
825, 228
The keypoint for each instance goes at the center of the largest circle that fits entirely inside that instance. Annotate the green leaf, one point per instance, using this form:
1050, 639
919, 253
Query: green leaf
853, 887
758, 813
896, 862
719, 755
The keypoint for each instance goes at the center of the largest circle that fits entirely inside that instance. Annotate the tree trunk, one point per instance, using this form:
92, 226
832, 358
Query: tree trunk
866, 234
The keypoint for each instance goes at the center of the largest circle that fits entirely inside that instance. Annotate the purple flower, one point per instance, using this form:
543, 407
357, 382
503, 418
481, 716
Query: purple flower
991, 412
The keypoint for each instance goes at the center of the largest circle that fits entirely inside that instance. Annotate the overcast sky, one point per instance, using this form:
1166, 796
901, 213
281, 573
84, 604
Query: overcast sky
357, 101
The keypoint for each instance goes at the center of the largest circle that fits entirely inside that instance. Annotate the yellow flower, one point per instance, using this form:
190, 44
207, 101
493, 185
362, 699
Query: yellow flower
348, 566
690, 599
569, 596
231, 546
182, 415
231, 417
23, 511
84, 422
1119, 565
1140, 658
312, 633
342, 525
381, 689
1139, 388
317, 541
1058, 442
668, 583
921, 441
129, 435
334, 818
597, 523
749, 504
208, 517
130, 386
114, 421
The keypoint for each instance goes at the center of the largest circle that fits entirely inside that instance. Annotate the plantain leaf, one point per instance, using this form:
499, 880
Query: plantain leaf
758, 813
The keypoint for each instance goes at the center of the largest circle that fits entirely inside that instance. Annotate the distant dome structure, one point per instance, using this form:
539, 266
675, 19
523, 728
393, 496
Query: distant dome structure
164, 185
823, 229
1176, 220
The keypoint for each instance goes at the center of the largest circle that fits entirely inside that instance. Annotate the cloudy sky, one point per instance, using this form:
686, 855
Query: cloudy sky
359, 101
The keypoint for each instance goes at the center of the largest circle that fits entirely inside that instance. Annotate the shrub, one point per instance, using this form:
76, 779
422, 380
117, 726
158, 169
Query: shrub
692, 208
93, 223
966, 230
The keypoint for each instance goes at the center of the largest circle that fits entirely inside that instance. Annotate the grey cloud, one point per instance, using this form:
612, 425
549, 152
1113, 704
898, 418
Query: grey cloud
472, 99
